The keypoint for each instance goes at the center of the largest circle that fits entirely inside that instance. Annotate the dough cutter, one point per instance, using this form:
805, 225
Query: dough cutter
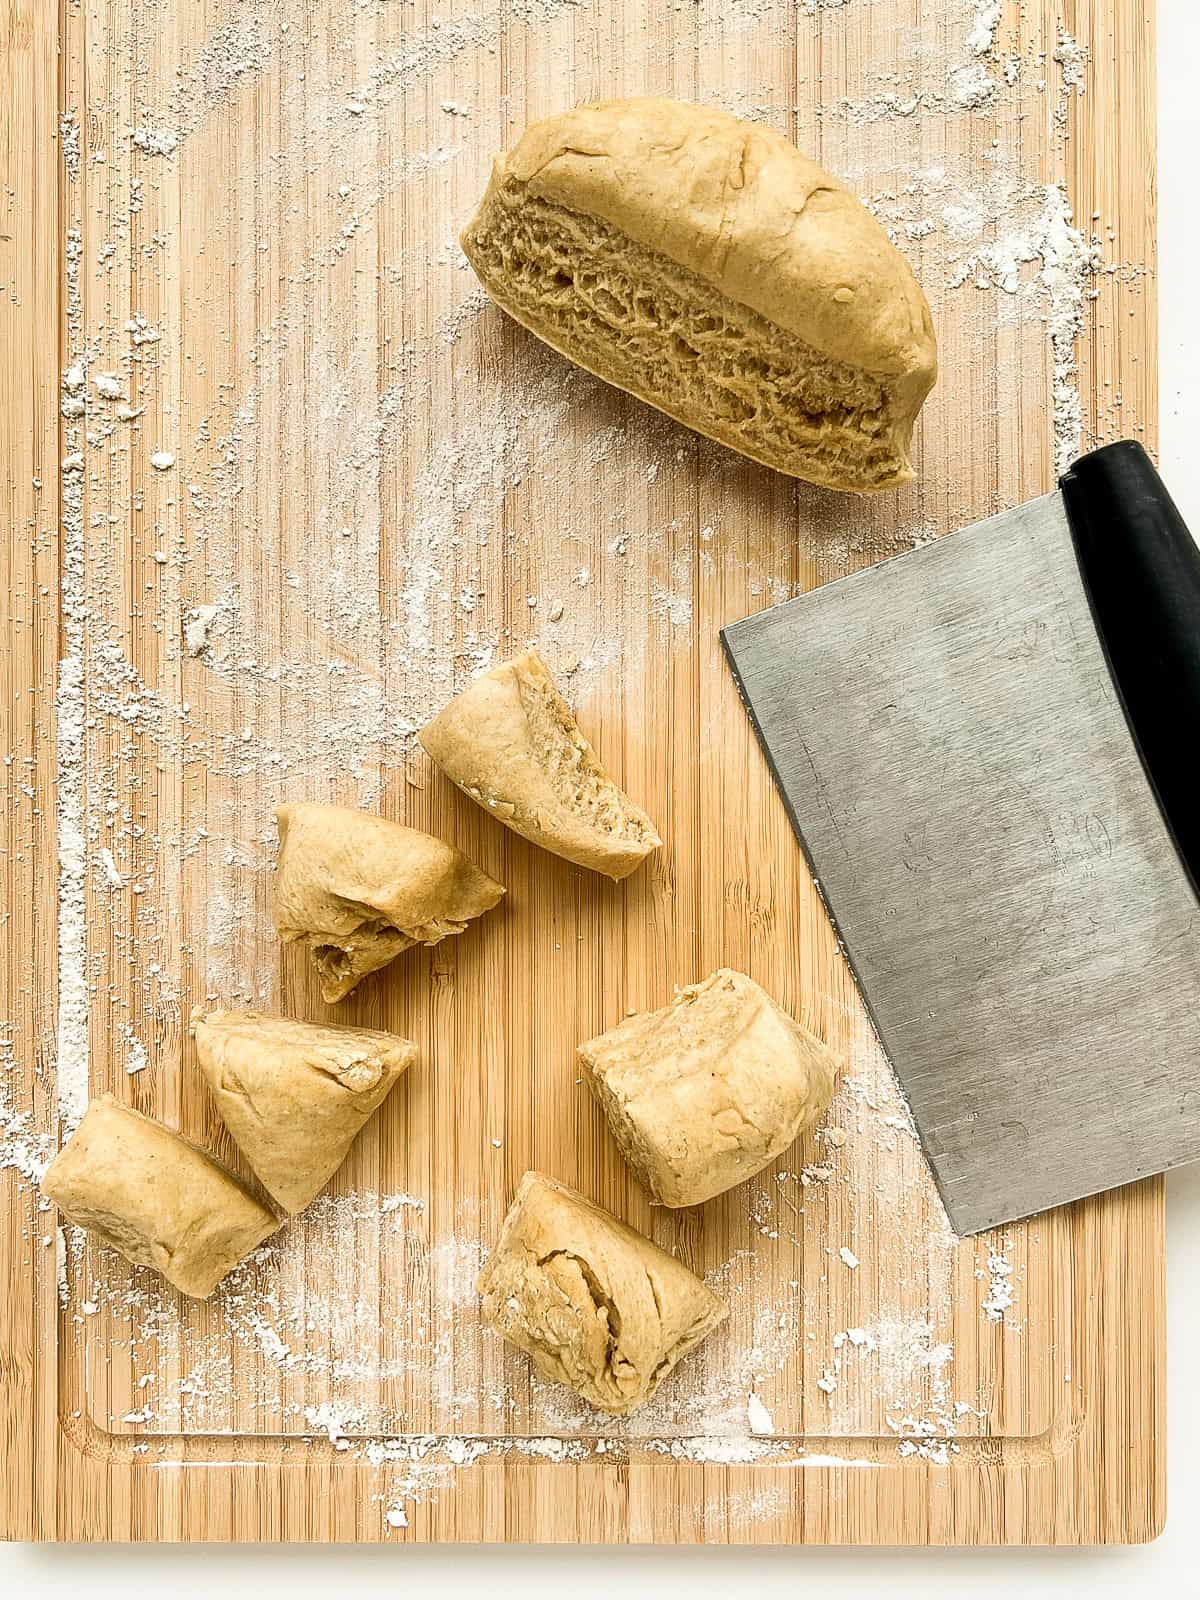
989, 748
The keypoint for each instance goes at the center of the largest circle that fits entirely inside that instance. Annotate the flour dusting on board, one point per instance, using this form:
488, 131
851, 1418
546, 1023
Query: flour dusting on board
71, 1061
430, 439
982, 34
23, 1150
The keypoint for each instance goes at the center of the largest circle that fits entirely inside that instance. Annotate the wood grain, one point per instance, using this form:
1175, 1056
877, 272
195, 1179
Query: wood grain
347, 414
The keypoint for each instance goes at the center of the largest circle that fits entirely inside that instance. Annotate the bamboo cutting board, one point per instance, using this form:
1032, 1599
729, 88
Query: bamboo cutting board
320, 482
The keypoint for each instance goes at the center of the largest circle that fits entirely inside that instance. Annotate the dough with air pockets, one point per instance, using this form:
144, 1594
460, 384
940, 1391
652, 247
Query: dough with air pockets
509, 740
703, 264
593, 1304
357, 889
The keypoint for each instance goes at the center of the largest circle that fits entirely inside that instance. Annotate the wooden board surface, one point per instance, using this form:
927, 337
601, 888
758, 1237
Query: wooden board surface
247, 212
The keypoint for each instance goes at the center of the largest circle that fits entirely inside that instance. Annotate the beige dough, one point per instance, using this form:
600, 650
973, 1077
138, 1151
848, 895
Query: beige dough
706, 266
593, 1304
295, 1095
706, 1092
358, 889
510, 741
147, 1192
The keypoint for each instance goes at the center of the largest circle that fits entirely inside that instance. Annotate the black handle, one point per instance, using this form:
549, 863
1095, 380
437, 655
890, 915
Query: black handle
1141, 568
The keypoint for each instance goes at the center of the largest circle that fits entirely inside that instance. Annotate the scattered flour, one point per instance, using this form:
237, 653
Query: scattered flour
156, 141
72, 1052
1001, 233
758, 1417
1001, 1295
335, 1422
982, 35
195, 630
1072, 58
23, 1150
68, 141
1068, 262
136, 1058
967, 84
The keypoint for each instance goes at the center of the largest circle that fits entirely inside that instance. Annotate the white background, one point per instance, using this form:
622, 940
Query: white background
1169, 1568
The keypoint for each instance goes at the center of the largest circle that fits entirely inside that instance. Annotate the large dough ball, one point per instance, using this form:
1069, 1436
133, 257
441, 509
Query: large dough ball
706, 266
147, 1192
704, 1093
295, 1095
592, 1303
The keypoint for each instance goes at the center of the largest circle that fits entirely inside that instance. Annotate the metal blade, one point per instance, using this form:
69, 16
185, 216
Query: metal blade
955, 760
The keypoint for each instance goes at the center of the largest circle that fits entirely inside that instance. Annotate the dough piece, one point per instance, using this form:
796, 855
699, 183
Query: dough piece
510, 742
295, 1095
707, 267
358, 889
706, 1092
147, 1192
594, 1305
